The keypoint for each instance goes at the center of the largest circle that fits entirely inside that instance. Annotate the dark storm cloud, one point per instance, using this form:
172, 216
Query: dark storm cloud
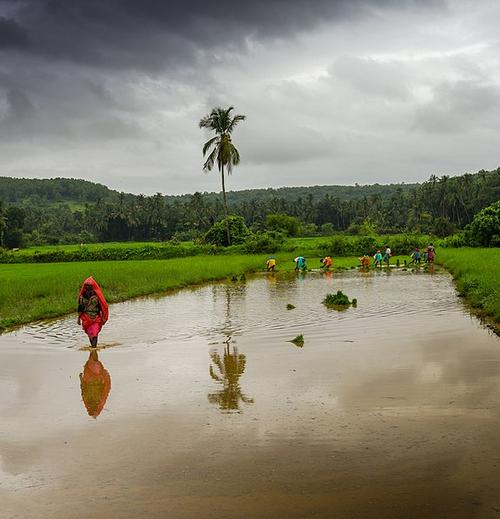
149, 34
12, 35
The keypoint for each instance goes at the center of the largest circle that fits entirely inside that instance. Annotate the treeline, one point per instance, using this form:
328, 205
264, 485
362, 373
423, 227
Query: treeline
439, 206
53, 190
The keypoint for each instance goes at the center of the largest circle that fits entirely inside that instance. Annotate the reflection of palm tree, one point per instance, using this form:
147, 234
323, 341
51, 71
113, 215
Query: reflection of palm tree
95, 384
227, 372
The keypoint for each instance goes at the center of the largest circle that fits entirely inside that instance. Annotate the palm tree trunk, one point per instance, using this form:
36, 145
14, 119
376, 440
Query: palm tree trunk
225, 206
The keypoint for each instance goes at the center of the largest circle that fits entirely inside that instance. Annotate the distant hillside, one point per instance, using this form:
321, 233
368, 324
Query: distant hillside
316, 192
54, 190
74, 190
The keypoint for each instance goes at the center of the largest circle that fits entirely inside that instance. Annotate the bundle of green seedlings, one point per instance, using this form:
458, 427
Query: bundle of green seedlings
338, 300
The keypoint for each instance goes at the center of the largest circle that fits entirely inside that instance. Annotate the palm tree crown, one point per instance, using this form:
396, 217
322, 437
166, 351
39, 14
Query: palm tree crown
223, 150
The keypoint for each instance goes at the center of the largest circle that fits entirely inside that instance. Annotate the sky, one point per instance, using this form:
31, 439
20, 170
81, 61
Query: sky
334, 91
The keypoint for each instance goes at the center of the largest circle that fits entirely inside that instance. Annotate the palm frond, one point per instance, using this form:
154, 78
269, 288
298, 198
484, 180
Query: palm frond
236, 119
209, 143
209, 163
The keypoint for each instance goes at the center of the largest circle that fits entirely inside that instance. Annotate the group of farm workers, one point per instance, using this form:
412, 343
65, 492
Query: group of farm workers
380, 258
300, 263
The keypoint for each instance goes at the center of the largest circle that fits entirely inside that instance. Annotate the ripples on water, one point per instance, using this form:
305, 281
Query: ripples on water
401, 300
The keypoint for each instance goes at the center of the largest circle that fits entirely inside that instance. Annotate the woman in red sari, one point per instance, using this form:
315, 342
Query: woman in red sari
92, 309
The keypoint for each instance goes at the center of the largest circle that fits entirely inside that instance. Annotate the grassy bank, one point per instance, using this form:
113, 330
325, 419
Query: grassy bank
337, 245
35, 291
477, 275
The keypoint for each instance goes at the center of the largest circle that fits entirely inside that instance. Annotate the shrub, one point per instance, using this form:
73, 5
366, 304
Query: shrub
485, 227
338, 246
308, 229
327, 229
239, 232
263, 242
288, 225
406, 243
366, 245
442, 226
458, 239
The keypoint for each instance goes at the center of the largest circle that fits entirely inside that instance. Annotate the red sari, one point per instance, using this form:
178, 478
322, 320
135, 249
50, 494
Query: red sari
92, 325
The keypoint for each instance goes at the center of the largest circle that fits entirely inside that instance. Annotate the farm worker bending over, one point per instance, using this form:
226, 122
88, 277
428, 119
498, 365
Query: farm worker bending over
327, 262
300, 263
365, 261
92, 309
271, 263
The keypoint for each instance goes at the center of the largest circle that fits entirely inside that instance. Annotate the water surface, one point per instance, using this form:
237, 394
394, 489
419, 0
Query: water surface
199, 406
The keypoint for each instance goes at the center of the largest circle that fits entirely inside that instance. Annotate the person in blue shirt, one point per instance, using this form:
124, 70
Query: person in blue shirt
415, 257
300, 263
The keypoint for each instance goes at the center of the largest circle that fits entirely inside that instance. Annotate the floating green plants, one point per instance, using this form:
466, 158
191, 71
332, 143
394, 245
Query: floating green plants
339, 301
298, 341
290, 306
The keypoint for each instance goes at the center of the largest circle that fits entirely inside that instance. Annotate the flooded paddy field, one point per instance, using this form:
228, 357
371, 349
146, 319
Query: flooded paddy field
199, 407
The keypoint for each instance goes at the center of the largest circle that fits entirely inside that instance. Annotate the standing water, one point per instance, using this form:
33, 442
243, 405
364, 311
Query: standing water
198, 406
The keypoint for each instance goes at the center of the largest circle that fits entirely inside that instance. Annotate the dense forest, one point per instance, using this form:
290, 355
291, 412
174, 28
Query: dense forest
37, 212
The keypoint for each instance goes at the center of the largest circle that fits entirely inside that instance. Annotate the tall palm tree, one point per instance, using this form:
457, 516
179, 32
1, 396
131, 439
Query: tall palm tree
220, 148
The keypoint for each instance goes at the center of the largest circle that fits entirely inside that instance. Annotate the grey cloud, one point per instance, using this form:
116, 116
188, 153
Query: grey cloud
17, 115
383, 79
460, 106
20, 106
276, 145
12, 35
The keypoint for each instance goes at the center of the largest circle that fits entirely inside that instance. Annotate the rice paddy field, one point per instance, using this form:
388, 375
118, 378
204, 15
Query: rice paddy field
31, 291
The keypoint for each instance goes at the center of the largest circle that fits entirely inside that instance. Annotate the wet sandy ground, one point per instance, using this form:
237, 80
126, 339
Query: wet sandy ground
201, 408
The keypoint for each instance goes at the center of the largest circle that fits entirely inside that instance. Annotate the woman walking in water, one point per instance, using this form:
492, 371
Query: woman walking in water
92, 309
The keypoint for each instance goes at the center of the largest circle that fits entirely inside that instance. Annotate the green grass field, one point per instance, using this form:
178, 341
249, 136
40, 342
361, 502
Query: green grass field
34, 291
477, 274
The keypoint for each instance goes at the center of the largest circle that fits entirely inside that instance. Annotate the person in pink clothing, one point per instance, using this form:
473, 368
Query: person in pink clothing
92, 309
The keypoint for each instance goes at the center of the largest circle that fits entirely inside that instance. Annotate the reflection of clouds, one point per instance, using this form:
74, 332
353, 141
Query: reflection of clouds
430, 372
15, 463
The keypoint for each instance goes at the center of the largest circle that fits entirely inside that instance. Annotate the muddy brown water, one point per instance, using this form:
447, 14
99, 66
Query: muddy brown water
199, 407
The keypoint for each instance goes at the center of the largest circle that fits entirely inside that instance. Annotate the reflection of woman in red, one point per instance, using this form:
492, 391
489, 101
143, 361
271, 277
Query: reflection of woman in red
95, 383
92, 309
